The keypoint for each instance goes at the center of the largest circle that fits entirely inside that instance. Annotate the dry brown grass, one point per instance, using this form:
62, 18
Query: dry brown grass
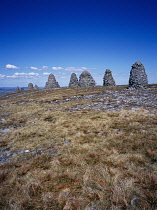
110, 161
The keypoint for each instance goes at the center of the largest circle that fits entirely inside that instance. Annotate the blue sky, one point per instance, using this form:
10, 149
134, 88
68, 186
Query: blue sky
38, 37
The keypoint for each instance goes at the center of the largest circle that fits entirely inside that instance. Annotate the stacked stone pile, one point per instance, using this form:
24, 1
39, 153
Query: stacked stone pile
36, 87
86, 80
73, 81
17, 89
108, 79
51, 83
138, 77
30, 86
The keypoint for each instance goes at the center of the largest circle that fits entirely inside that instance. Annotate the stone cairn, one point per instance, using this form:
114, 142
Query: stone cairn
138, 77
36, 87
51, 83
73, 81
86, 80
108, 79
17, 89
30, 86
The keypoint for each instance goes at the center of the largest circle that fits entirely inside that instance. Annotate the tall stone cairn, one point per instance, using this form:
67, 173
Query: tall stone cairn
86, 80
108, 79
51, 83
138, 77
30, 86
36, 87
73, 81
17, 89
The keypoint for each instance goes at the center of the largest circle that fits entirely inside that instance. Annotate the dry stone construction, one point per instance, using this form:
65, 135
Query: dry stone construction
17, 89
86, 80
138, 77
51, 83
30, 86
73, 81
108, 79
36, 87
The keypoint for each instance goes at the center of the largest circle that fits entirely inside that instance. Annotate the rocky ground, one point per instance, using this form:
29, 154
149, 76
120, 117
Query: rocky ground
106, 100
113, 100
79, 148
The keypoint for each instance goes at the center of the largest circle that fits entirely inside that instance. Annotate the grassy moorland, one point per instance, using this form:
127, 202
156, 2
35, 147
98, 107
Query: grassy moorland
83, 158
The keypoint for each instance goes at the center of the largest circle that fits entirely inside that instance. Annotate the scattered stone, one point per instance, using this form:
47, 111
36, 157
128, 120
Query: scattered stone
138, 77
6, 130
51, 83
133, 108
115, 100
55, 154
6, 114
36, 87
4, 154
152, 112
65, 142
86, 80
134, 202
23, 102
5, 160
108, 79
23, 151
73, 81
30, 86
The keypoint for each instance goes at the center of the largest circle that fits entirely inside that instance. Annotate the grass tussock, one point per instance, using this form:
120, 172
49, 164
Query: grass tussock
99, 160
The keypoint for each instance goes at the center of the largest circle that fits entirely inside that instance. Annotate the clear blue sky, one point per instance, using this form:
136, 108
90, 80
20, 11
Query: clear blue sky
38, 37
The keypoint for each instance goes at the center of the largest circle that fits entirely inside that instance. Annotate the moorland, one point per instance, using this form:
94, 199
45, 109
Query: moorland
79, 148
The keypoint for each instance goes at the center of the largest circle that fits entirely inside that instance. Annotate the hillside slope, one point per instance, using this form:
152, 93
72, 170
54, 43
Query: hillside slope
92, 148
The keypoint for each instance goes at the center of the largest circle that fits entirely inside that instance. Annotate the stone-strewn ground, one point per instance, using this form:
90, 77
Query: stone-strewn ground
106, 100
113, 100
83, 148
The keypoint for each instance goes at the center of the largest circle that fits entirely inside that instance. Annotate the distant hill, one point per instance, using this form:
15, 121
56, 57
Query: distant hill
6, 90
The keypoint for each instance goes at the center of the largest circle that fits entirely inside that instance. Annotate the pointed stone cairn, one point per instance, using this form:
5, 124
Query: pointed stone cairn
73, 81
17, 89
51, 83
86, 80
36, 87
138, 77
108, 80
30, 86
